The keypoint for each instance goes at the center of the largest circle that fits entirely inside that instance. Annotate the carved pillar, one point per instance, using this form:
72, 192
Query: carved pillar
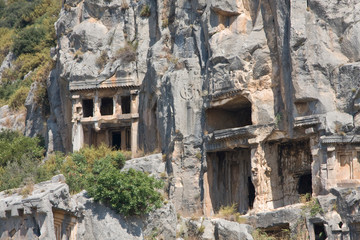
77, 130
134, 134
134, 109
97, 105
134, 101
260, 174
316, 166
123, 139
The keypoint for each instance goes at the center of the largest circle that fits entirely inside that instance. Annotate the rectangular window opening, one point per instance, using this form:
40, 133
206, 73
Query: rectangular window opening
88, 108
125, 104
107, 106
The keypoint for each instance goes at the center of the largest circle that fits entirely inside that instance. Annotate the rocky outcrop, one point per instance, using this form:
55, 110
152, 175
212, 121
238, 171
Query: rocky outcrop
47, 209
205, 71
253, 102
14, 120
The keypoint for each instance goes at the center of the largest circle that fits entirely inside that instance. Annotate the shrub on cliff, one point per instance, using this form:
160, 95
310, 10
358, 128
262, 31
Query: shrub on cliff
130, 192
20, 158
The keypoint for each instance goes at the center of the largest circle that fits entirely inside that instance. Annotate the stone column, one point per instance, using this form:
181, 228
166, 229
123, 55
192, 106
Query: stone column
134, 105
78, 136
123, 139
134, 134
97, 105
134, 108
77, 130
261, 172
116, 109
316, 166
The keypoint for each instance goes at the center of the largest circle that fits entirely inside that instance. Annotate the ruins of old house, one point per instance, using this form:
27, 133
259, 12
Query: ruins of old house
45, 213
341, 167
228, 154
105, 112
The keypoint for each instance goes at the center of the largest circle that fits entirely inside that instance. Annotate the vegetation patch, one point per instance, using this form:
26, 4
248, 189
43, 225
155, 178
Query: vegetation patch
96, 170
26, 29
230, 213
127, 53
19, 159
145, 11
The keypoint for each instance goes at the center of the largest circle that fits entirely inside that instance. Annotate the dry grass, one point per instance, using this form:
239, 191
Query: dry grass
102, 59
305, 198
27, 189
127, 53
230, 213
124, 5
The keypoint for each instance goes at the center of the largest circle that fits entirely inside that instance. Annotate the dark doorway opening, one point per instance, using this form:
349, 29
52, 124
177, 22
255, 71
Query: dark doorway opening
235, 113
125, 104
305, 184
116, 140
251, 190
88, 107
319, 230
228, 176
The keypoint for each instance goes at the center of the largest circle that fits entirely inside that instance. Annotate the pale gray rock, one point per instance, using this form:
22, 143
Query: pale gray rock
7, 62
226, 7
35, 115
13, 120
226, 230
100, 222
152, 164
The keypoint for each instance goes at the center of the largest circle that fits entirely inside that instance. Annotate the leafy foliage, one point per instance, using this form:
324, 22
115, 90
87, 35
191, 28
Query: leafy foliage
14, 146
27, 29
145, 11
19, 159
130, 193
28, 39
95, 169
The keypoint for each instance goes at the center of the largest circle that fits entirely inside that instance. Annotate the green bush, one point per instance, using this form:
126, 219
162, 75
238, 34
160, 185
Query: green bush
14, 147
27, 40
145, 11
27, 28
96, 170
130, 193
79, 165
20, 158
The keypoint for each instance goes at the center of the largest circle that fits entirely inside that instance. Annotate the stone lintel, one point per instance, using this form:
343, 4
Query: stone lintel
307, 121
89, 84
351, 139
236, 133
226, 145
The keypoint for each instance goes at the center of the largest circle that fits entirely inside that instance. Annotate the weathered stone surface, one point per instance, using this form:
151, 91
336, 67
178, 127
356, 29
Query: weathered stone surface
232, 230
290, 67
14, 120
35, 115
152, 164
7, 62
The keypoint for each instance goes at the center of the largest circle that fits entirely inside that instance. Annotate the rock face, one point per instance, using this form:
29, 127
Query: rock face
252, 102
13, 120
49, 212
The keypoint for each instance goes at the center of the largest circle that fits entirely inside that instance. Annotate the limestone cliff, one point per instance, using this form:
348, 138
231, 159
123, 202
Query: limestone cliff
252, 102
